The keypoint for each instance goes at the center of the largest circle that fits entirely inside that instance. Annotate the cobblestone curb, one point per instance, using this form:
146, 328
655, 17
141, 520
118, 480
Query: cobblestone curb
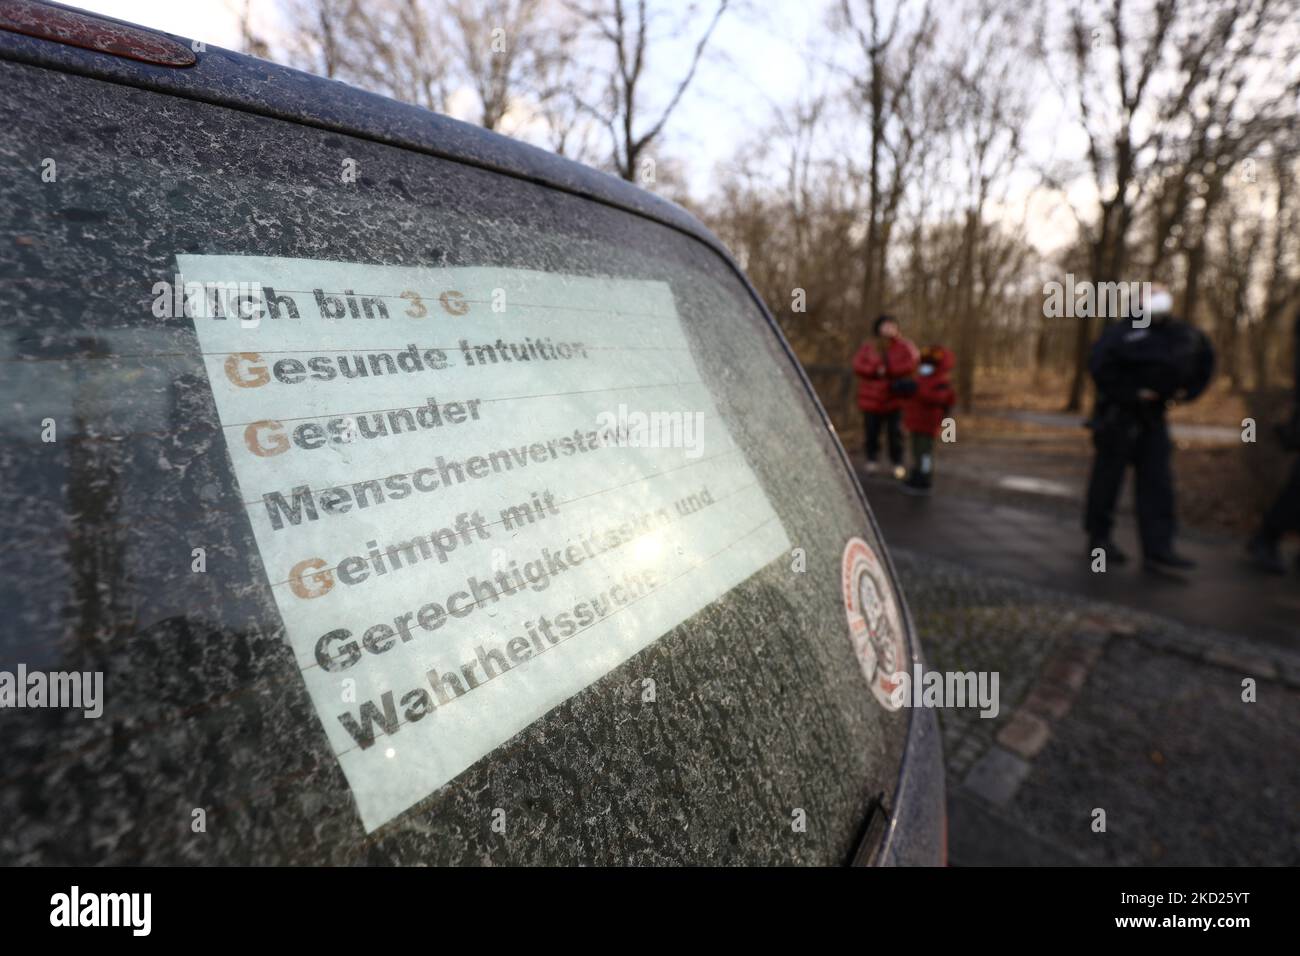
999, 772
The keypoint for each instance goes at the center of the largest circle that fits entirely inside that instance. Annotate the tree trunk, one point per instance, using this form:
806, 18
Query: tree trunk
966, 319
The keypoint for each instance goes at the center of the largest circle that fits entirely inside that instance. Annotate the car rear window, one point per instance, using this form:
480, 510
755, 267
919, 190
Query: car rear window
410, 513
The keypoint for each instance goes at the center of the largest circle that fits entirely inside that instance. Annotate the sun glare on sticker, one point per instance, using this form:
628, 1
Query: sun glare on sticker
648, 548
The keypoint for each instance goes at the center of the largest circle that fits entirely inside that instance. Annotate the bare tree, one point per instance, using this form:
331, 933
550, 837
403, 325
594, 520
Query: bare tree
555, 79
1238, 239
1110, 97
1164, 94
1233, 92
497, 43
394, 47
624, 34
1282, 283
251, 41
1256, 268
888, 85
988, 74
787, 209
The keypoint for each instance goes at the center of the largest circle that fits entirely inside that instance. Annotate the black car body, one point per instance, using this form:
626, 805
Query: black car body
743, 732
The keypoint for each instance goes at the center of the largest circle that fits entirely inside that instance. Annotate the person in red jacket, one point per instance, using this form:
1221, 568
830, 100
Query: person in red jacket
881, 365
925, 407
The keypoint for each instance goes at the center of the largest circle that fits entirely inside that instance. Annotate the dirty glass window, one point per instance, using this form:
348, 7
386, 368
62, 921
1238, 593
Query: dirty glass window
407, 513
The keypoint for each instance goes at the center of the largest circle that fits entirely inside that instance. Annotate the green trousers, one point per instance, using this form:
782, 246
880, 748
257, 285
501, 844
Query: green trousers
923, 453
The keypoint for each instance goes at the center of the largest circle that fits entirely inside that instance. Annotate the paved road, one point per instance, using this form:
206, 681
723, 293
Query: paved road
1106, 708
1119, 692
1047, 547
1214, 434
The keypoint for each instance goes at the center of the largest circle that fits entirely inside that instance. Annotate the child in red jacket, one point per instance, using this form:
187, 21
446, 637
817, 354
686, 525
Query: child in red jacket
881, 365
924, 410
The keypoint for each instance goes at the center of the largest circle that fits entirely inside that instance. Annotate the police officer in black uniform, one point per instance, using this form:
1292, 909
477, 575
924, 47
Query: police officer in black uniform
1284, 515
1140, 370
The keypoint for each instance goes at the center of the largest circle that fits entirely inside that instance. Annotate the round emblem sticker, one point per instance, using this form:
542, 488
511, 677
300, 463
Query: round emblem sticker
875, 626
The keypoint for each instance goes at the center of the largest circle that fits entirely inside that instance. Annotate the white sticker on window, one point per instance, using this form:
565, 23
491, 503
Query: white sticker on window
475, 492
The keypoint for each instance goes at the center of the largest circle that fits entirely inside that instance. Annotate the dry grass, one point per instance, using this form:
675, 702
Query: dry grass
1046, 391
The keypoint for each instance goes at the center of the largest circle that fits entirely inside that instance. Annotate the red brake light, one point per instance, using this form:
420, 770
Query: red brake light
90, 32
